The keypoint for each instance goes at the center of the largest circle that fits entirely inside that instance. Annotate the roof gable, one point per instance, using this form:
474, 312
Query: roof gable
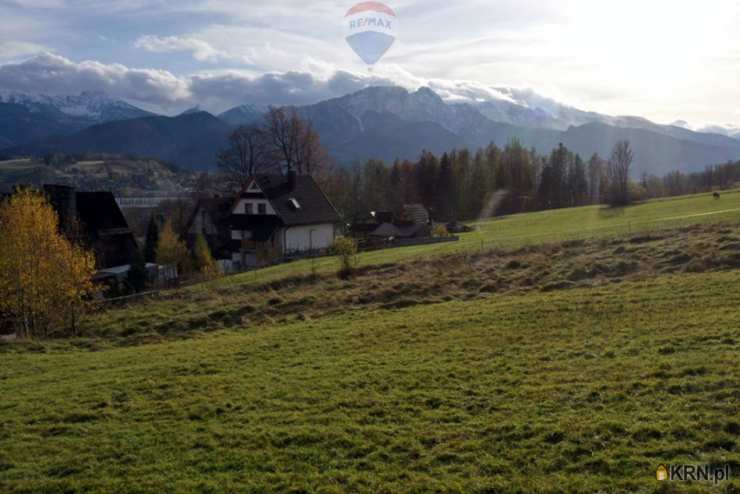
297, 200
254, 188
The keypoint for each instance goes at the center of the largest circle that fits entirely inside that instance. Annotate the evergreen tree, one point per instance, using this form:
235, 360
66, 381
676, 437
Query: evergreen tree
445, 188
553, 186
461, 170
577, 182
395, 182
152, 239
427, 171
137, 273
478, 188
409, 183
376, 186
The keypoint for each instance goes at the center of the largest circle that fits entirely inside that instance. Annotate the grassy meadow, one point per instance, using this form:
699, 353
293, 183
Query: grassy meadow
543, 227
583, 390
574, 351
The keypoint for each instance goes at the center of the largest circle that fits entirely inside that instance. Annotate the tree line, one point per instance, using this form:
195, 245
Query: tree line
678, 183
462, 185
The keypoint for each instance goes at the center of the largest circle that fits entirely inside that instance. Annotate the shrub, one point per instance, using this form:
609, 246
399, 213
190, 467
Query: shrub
204, 259
345, 248
440, 231
637, 193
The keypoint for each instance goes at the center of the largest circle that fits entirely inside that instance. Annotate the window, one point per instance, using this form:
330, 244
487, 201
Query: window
248, 208
241, 234
294, 203
262, 208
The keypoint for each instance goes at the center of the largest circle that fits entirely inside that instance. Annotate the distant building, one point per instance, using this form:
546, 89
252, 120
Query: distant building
275, 217
416, 214
383, 226
387, 231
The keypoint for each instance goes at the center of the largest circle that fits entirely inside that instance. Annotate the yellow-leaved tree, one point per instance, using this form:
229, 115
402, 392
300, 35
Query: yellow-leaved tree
171, 251
45, 280
204, 259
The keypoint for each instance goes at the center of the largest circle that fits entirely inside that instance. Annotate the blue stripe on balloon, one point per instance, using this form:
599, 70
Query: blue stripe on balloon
370, 45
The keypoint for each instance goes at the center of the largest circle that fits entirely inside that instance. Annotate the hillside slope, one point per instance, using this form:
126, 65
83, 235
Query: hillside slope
561, 351
191, 140
569, 391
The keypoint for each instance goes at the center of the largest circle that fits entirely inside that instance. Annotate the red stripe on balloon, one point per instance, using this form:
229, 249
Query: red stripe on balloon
365, 6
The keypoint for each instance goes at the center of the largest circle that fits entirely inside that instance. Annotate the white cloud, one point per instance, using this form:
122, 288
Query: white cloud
216, 91
54, 74
221, 91
17, 50
164, 91
199, 49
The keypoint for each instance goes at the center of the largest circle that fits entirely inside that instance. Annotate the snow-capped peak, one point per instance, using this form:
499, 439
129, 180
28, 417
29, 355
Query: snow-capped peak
88, 105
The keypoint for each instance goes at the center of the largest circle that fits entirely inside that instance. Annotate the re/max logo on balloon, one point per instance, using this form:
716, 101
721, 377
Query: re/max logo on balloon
370, 30
371, 22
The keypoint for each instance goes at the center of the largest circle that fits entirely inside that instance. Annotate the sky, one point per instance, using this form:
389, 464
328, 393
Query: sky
663, 60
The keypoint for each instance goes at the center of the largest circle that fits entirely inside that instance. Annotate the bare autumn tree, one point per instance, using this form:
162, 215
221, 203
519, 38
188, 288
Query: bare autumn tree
248, 153
596, 176
295, 145
618, 171
284, 128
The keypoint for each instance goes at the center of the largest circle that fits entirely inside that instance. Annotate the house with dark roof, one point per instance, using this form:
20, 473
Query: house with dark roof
274, 217
95, 220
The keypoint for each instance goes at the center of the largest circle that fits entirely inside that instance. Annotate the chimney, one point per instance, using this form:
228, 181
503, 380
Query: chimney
291, 178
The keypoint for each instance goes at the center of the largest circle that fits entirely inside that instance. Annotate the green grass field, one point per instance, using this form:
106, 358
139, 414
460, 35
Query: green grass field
570, 391
542, 227
575, 351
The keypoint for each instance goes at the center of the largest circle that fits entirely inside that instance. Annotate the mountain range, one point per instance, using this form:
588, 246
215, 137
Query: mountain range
377, 122
27, 118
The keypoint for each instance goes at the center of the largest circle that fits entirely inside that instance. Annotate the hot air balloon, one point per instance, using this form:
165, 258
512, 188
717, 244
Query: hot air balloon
371, 30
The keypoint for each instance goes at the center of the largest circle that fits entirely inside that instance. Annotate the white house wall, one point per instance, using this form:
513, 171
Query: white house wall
306, 238
242, 209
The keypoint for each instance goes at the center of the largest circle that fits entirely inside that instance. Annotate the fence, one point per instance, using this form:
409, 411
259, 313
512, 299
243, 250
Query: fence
410, 242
